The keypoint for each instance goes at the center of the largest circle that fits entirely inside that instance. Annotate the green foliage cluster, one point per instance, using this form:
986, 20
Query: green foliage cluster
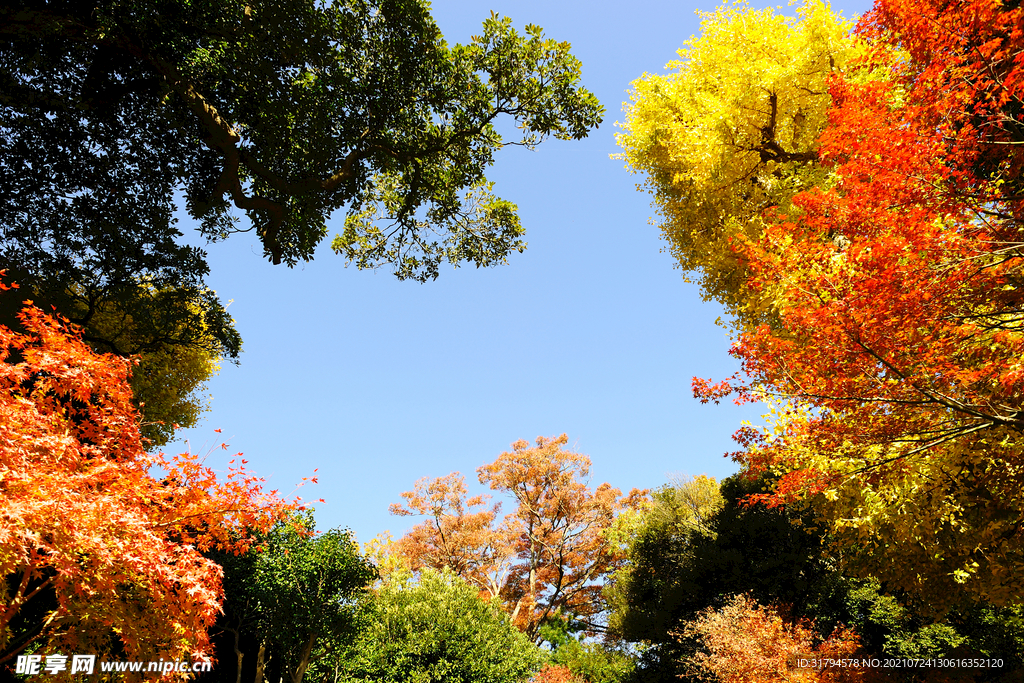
436, 629
113, 112
595, 662
288, 601
301, 605
677, 570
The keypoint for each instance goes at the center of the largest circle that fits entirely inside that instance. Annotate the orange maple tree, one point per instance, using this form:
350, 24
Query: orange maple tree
744, 642
555, 673
97, 553
462, 534
898, 320
544, 560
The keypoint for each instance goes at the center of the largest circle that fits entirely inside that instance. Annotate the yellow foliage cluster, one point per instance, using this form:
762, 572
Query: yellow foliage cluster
940, 517
169, 379
731, 132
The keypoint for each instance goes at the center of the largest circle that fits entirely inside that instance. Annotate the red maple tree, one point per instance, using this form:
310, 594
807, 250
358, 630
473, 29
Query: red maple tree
744, 642
899, 301
101, 542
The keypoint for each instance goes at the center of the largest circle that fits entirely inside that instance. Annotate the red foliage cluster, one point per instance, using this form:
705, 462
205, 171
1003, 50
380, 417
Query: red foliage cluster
100, 551
745, 642
900, 290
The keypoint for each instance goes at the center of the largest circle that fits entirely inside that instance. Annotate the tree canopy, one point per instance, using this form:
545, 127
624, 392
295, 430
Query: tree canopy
731, 131
547, 558
691, 585
289, 602
899, 295
101, 543
287, 111
437, 629
113, 114
879, 302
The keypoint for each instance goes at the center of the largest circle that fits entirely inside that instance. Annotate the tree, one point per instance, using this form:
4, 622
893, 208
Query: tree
289, 602
733, 131
744, 641
177, 353
563, 547
880, 302
655, 543
677, 570
897, 293
555, 673
288, 111
179, 334
461, 535
583, 661
693, 549
98, 554
437, 629
546, 560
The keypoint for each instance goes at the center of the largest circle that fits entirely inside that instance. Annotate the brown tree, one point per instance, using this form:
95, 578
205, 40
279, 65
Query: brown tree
745, 642
545, 560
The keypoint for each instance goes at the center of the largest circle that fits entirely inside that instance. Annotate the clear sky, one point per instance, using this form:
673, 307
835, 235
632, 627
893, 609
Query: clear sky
591, 332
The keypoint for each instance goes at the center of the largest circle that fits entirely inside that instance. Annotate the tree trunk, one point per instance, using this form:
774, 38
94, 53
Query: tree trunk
260, 663
238, 653
307, 650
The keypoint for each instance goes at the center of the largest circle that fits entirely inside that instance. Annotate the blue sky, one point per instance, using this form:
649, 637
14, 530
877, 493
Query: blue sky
591, 332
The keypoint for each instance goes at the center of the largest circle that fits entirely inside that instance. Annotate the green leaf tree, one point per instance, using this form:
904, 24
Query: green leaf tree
112, 113
287, 111
436, 630
289, 602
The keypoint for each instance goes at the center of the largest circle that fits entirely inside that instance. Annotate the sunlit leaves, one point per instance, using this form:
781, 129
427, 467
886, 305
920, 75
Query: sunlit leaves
745, 641
732, 132
100, 542
286, 111
894, 293
437, 629
544, 559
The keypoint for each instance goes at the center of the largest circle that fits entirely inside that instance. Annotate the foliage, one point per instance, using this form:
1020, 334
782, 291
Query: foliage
898, 298
436, 630
592, 662
766, 553
287, 110
462, 533
555, 673
179, 335
176, 355
733, 131
584, 660
659, 537
97, 554
547, 557
878, 298
694, 548
289, 602
744, 641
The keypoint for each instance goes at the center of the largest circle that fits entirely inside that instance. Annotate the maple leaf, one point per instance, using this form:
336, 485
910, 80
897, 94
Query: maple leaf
877, 290
102, 552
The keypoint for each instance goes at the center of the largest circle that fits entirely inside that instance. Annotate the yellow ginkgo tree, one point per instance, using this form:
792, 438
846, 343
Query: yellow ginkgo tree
731, 132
